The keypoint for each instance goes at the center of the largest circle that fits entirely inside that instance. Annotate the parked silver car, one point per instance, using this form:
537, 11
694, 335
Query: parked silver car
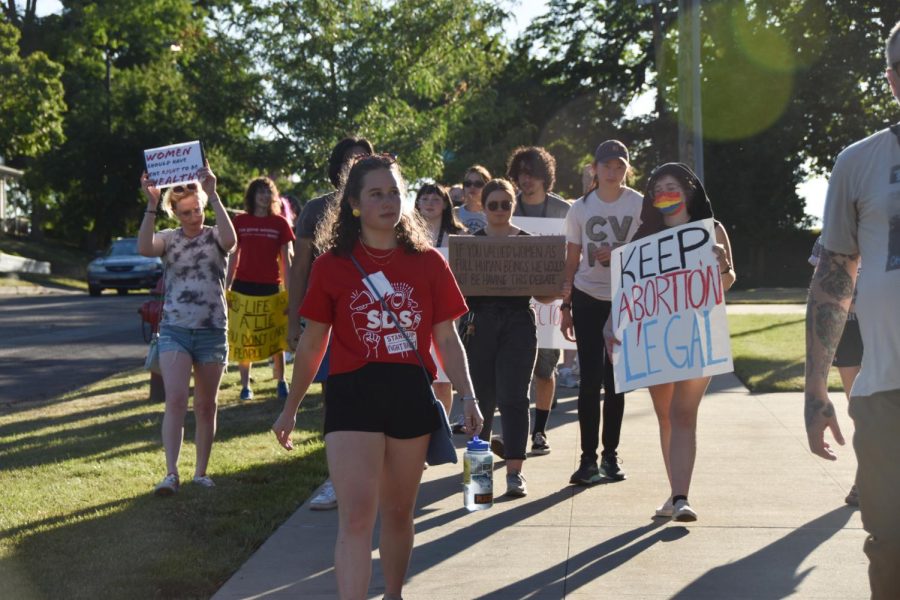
122, 268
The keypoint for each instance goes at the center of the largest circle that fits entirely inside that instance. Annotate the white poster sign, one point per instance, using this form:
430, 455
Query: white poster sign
173, 165
668, 308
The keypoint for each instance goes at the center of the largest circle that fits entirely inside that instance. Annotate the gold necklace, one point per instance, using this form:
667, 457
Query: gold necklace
381, 260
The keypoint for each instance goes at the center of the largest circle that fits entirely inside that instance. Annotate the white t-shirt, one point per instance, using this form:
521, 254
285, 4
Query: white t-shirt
862, 216
472, 221
593, 223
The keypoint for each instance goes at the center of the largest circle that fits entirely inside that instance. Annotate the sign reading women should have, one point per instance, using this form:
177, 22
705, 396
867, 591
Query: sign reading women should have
172, 165
668, 308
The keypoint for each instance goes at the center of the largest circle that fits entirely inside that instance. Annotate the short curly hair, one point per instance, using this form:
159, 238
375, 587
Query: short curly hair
535, 161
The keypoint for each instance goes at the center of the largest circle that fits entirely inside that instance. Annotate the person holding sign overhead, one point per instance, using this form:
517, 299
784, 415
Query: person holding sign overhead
606, 217
676, 196
192, 333
264, 238
379, 413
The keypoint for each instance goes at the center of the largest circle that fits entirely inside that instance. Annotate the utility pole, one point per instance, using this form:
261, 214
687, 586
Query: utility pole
690, 113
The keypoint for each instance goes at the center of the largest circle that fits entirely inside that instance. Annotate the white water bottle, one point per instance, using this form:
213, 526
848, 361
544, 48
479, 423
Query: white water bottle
478, 475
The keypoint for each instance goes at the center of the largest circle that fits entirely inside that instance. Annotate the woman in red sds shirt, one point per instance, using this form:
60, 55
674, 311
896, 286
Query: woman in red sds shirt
378, 412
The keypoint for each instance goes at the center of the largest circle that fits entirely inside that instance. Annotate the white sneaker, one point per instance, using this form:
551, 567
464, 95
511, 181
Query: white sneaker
665, 511
168, 486
683, 512
204, 481
325, 499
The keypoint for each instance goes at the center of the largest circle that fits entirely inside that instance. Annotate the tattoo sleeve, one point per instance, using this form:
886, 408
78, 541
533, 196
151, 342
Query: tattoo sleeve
830, 295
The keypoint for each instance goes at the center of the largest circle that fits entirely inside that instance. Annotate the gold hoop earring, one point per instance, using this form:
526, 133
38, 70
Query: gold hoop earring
355, 212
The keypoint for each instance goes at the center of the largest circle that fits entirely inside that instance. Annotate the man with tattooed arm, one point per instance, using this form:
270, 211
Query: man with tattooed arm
862, 224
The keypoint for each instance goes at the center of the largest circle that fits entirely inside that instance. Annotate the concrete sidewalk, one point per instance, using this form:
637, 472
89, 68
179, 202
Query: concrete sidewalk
772, 521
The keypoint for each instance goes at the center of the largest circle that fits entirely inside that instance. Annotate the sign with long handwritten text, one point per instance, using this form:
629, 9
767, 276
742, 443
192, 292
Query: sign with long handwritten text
257, 326
172, 165
668, 308
508, 266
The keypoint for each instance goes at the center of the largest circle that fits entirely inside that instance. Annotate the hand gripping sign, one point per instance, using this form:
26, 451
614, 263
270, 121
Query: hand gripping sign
172, 165
668, 308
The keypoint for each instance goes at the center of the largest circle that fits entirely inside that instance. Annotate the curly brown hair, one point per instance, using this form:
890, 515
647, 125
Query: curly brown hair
250, 195
339, 230
534, 160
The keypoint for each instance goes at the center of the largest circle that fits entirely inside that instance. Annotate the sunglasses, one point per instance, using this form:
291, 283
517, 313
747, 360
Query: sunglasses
471, 183
188, 187
496, 205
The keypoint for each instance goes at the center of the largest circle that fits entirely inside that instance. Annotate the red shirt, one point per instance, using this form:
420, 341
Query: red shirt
424, 293
260, 240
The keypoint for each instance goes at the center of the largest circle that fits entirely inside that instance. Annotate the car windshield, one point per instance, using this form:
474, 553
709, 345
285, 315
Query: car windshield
122, 248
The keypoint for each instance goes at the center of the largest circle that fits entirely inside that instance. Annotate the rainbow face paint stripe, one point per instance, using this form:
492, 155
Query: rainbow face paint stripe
669, 203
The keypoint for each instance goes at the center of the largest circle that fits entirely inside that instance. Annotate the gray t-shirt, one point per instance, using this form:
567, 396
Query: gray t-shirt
553, 207
472, 221
194, 279
862, 216
592, 223
312, 215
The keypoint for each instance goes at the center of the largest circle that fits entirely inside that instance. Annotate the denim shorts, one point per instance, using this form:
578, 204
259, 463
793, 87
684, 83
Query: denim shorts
204, 345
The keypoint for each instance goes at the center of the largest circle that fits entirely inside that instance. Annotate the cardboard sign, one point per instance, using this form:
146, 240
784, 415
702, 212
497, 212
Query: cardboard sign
508, 266
668, 308
257, 326
172, 165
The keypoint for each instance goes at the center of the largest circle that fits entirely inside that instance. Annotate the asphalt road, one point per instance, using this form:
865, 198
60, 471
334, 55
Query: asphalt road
52, 344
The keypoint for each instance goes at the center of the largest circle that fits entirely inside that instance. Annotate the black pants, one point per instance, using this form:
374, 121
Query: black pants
589, 315
501, 355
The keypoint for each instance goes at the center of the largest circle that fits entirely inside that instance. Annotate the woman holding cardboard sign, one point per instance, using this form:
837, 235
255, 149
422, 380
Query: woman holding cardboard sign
676, 196
377, 274
192, 334
604, 218
501, 340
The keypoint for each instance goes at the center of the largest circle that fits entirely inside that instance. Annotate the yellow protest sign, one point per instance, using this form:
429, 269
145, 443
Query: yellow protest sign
257, 326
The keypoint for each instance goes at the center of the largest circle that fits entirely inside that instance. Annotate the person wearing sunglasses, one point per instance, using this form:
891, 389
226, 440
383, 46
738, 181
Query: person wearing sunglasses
605, 218
192, 332
862, 229
501, 341
261, 262
533, 170
471, 213
378, 409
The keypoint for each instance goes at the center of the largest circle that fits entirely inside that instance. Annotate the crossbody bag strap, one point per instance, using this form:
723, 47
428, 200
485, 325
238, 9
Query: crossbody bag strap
399, 327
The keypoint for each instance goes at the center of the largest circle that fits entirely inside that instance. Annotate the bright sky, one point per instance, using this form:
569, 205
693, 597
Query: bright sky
523, 12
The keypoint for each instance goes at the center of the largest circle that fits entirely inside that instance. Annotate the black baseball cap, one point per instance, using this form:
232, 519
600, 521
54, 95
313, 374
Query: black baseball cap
611, 149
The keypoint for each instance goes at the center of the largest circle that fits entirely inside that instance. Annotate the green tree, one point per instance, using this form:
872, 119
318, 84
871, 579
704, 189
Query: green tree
399, 73
31, 103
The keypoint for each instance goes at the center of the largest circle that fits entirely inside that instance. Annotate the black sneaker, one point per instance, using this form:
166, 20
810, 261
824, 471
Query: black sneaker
609, 467
539, 444
459, 427
587, 474
497, 447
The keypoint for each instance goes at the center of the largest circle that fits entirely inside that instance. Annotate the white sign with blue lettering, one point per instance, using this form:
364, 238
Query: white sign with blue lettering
668, 308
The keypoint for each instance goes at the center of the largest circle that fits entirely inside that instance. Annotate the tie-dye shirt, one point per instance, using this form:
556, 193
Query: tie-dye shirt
195, 279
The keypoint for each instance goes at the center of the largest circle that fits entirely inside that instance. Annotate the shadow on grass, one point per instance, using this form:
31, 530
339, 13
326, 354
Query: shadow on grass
771, 327
24, 426
95, 439
771, 572
185, 546
763, 375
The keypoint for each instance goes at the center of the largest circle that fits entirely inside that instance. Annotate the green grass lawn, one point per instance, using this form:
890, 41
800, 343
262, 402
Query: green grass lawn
769, 352
51, 281
77, 519
65, 260
767, 296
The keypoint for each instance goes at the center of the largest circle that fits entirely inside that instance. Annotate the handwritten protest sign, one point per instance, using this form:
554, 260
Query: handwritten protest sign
508, 266
668, 308
547, 318
257, 326
175, 164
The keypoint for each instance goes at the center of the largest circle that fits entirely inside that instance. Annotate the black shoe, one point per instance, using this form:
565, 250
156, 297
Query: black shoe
539, 444
497, 447
609, 467
459, 427
587, 474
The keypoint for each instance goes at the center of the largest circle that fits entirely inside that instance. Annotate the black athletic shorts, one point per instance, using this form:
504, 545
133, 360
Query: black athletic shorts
250, 288
850, 349
389, 398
